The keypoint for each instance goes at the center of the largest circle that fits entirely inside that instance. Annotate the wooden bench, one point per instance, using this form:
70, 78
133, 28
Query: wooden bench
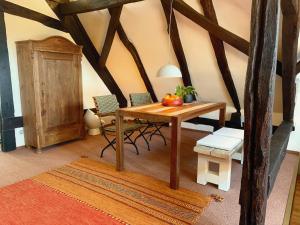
219, 150
235, 133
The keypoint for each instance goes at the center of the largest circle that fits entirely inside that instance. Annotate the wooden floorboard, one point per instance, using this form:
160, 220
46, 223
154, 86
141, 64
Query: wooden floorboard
295, 220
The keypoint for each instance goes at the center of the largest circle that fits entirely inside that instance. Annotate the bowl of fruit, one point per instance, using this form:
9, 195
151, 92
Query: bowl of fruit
172, 100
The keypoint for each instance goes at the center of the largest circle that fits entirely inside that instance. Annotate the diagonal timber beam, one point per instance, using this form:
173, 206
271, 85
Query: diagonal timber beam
83, 6
290, 34
80, 36
176, 42
218, 46
78, 33
112, 28
279, 143
20, 11
259, 101
218, 31
223, 34
135, 55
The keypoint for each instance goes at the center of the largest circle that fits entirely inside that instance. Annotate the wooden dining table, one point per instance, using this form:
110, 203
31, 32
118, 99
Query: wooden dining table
173, 115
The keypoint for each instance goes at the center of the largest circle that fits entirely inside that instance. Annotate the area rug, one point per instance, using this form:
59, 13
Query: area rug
90, 192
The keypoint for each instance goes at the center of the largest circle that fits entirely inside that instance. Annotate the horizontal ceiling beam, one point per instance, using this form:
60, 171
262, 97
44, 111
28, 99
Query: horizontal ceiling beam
20, 11
83, 6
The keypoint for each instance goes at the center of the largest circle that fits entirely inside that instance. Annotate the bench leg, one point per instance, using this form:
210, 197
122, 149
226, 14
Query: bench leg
225, 175
202, 170
239, 155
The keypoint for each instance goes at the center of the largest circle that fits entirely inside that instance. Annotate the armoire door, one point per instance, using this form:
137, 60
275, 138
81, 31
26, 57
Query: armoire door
60, 94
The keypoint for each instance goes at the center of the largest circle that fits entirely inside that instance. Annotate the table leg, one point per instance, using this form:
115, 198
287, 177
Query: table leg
175, 153
119, 142
222, 117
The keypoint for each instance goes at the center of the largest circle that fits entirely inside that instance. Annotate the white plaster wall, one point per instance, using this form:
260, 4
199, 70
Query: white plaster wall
294, 143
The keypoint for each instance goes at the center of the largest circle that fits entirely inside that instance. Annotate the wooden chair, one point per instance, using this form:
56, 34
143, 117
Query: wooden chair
138, 99
106, 106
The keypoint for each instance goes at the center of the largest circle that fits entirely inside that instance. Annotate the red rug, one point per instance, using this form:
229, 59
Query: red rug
87, 192
31, 203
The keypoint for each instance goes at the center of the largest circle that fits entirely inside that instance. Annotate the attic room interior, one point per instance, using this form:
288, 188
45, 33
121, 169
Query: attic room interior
149, 112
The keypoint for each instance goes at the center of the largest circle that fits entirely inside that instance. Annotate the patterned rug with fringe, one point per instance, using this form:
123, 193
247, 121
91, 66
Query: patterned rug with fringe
90, 192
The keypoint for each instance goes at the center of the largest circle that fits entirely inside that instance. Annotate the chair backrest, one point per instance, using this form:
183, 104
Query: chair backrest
137, 99
106, 104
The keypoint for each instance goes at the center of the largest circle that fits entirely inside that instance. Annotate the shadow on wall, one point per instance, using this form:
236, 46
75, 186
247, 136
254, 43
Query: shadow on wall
294, 143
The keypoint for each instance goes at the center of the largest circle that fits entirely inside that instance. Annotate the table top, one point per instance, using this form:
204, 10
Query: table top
158, 110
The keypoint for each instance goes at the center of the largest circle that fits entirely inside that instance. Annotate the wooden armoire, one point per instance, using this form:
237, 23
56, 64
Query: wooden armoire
51, 91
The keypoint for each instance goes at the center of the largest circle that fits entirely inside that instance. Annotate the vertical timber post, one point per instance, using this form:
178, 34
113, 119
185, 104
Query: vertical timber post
6, 96
259, 100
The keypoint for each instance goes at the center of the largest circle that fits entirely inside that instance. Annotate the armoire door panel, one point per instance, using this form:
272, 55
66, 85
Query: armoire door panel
59, 90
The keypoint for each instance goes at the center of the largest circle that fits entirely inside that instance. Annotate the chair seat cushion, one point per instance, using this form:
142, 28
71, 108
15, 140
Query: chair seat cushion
230, 132
220, 142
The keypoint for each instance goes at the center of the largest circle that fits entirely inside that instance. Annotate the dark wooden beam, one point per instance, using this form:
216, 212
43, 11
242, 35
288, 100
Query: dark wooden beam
83, 6
176, 42
218, 31
78, 33
290, 68
135, 55
290, 34
218, 46
298, 67
290, 7
6, 94
279, 143
259, 100
10, 123
111, 31
20, 11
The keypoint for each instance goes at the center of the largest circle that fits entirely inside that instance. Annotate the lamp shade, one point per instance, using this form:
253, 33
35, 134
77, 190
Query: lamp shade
169, 71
